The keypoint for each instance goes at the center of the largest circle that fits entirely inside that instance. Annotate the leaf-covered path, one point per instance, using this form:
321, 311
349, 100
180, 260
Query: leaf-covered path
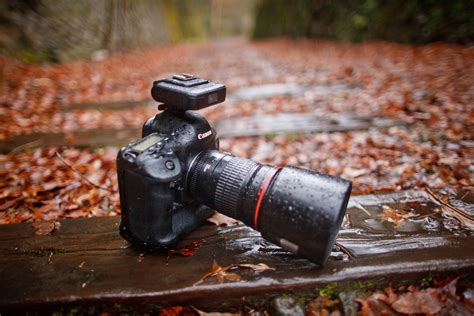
427, 89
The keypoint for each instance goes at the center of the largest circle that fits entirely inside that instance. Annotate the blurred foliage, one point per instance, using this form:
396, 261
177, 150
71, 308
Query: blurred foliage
63, 30
417, 22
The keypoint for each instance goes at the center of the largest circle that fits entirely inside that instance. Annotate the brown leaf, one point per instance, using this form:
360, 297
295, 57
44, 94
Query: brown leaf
46, 227
203, 313
374, 307
255, 267
418, 302
172, 311
221, 219
320, 305
354, 173
10, 203
47, 208
186, 251
222, 274
395, 216
391, 296
51, 186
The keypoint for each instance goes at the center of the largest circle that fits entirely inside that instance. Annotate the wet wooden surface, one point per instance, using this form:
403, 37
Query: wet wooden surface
236, 127
232, 127
86, 261
297, 123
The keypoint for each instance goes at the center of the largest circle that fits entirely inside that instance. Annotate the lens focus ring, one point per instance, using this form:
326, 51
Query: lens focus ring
234, 176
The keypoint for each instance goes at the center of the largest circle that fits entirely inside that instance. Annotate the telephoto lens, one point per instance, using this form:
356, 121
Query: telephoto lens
295, 208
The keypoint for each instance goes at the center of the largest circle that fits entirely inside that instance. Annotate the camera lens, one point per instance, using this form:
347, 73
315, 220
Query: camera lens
298, 209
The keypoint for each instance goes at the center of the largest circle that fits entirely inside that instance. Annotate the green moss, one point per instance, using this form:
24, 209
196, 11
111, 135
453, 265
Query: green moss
291, 137
269, 137
365, 287
426, 281
30, 56
330, 290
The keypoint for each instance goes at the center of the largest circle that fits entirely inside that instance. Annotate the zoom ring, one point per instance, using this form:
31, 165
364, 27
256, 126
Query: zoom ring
230, 183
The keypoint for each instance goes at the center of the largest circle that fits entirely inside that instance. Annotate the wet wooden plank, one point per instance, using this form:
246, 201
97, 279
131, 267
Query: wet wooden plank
86, 261
265, 91
252, 93
297, 123
82, 139
251, 126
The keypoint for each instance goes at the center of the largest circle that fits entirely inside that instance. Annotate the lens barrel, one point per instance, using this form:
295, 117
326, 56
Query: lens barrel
297, 209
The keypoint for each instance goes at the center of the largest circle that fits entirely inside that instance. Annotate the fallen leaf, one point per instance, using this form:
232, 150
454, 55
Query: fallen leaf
44, 228
320, 306
391, 296
46, 208
173, 311
51, 186
255, 267
418, 302
354, 173
222, 274
374, 307
221, 219
203, 313
10, 203
186, 251
395, 216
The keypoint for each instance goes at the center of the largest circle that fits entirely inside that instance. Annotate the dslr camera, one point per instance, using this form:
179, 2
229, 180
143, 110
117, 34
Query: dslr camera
174, 177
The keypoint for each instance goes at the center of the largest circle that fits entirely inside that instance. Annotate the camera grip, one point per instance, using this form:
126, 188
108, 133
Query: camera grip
150, 216
146, 210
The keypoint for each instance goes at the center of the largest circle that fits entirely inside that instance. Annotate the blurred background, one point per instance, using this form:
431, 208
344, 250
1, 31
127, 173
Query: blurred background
378, 92
62, 30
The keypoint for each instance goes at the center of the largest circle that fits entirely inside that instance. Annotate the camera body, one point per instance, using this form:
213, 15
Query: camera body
152, 172
174, 177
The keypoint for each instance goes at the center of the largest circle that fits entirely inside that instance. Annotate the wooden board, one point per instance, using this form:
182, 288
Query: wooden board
86, 261
226, 128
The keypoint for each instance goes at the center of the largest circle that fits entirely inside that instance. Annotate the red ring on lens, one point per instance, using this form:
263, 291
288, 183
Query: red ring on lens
261, 192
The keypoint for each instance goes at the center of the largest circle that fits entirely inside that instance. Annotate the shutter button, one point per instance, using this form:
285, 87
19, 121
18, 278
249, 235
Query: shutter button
169, 165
